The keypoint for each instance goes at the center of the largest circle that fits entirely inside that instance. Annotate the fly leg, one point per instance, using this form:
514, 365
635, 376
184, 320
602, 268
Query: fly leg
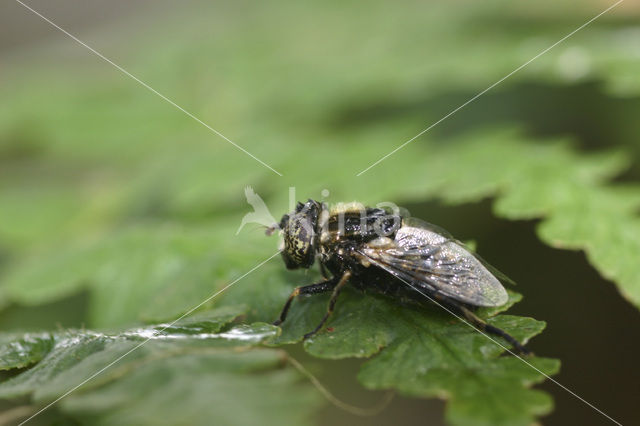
321, 287
480, 324
332, 302
324, 271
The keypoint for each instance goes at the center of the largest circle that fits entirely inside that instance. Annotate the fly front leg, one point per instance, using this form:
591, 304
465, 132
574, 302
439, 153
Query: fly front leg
332, 302
321, 287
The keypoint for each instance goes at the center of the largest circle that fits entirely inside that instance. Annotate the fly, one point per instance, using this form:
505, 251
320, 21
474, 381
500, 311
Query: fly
375, 249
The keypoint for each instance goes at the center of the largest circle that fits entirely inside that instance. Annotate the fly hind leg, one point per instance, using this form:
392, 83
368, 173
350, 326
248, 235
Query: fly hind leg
321, 287
480, 324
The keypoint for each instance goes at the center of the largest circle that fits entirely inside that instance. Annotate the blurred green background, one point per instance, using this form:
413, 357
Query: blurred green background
110, 197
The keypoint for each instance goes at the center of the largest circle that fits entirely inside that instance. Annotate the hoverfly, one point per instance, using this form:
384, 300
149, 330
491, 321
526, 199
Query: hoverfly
391, 253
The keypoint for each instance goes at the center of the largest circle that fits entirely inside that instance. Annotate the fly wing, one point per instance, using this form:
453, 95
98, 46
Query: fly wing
424, 257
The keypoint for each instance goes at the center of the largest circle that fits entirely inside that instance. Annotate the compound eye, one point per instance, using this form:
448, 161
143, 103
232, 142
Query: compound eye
284, 222
298, 239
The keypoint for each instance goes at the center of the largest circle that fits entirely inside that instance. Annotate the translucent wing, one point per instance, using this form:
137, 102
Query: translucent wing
428, 258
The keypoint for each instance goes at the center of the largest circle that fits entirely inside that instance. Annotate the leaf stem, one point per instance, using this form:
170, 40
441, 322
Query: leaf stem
358, 411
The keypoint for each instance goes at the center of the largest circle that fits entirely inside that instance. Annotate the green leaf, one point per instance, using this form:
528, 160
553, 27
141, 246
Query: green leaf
424, 351
494, 392
210, 369
134, 274
419, 350
207, 392
21, 351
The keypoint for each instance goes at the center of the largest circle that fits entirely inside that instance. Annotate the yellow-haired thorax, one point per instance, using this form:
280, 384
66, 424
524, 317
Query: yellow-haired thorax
352, 207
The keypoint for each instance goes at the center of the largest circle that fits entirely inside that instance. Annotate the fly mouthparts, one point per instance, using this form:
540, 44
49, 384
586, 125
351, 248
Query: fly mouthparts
271, 229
